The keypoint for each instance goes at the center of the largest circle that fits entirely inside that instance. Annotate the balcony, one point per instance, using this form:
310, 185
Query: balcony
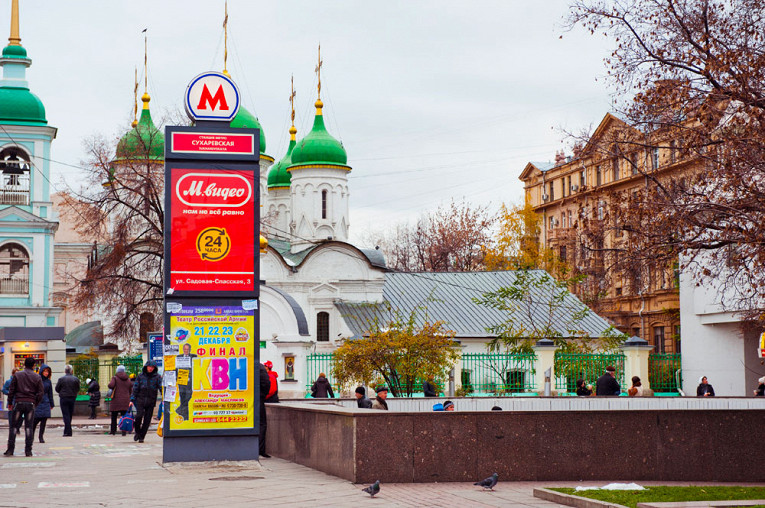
14, 189
14, 286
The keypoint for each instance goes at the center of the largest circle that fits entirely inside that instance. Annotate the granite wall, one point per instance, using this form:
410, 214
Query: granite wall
659, 445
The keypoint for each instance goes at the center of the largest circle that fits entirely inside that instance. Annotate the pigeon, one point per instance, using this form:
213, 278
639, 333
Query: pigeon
488, 483
374, 488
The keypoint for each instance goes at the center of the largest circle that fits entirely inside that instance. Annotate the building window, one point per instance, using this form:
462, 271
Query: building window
14, 270
563, 187
14, 176
655, 157
570, 224
598, 176
658, 339
615, 167
569, 183
583, 178
563, 219
552, 191
322, 327
601, 210
634, 163
618, 291
552, 222
324, 204
677, 339
563, 253
672, 151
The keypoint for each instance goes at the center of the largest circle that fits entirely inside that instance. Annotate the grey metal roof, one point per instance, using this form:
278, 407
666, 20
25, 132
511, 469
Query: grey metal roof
544, 166
449, 297
283, 247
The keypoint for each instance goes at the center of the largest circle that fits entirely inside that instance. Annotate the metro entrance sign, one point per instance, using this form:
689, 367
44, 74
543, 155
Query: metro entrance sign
211, 280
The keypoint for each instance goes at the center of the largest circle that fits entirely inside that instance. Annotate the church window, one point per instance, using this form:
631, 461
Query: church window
14, 176
324, 204
322, 326
14, 270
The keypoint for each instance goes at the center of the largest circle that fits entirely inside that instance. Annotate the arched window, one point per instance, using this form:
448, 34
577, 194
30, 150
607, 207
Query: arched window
322, 326
324, 204
14, 176
14, 270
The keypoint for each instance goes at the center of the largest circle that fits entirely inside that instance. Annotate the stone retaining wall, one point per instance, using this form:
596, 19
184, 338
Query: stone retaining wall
649, 444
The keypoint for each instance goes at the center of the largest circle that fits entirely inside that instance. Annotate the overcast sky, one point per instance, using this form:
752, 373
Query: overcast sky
433, 100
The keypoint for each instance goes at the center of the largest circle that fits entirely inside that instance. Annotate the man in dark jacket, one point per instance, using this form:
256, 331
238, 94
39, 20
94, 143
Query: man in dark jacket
265, 385
429, 388
607, 383
321, 389
361, 398
144, 398
26, 391
67, 387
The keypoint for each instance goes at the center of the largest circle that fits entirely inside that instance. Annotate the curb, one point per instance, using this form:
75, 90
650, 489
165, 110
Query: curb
569, 500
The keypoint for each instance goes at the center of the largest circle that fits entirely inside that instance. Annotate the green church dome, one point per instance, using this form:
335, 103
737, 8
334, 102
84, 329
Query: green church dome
21, 105
144, 139
246, 120
319, 147
278, 176
14, 51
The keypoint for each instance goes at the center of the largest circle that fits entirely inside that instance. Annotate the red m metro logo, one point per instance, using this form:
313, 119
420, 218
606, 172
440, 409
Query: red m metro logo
212, 96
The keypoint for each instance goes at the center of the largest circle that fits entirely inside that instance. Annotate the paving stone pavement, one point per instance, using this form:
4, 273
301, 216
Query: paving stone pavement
93, 469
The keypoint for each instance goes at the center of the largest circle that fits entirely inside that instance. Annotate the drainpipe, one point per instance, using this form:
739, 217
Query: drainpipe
640, 313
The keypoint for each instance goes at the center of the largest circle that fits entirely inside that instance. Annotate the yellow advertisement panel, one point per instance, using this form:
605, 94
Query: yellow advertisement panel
209, 368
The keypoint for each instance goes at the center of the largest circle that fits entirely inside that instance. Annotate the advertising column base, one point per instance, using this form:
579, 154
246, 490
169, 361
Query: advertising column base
209, 448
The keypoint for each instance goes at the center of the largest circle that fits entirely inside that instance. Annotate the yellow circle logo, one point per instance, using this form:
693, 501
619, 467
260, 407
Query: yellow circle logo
213, 244
178, 419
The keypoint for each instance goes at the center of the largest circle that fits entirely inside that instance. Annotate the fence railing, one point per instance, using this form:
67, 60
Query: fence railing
664, 372
498, 373
569, 367
104, 370
14, 285
316, 364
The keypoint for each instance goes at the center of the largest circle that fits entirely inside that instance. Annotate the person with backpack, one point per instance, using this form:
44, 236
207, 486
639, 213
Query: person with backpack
144, 398
121, 387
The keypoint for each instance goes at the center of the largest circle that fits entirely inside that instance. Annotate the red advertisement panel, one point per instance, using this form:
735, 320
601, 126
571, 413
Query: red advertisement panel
212, 142
212, 241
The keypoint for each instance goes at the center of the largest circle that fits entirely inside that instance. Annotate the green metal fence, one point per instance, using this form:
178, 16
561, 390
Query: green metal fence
498, 373
569, 367
316, 364
104, 370
664, 372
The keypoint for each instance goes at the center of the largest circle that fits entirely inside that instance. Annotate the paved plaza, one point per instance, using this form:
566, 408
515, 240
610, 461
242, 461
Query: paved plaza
95, 469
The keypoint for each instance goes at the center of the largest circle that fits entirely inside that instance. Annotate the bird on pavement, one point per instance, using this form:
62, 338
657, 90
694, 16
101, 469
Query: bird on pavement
373, 489
488, 483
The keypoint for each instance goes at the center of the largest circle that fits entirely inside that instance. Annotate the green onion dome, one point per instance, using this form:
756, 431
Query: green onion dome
144, 140
246, 120
278, 176
14, 51
319, 147
21, 105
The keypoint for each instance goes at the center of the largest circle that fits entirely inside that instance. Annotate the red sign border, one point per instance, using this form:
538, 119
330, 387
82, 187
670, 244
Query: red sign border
251, 137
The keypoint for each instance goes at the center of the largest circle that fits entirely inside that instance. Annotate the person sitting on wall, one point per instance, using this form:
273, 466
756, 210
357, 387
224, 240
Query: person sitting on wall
607, 383
704, 389
760, 391
361, 398
582, 389
379, 402
449, 406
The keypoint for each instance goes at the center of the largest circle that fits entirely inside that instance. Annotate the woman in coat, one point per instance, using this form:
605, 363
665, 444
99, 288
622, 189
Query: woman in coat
121, 387
42, 410
321, 389
95, 397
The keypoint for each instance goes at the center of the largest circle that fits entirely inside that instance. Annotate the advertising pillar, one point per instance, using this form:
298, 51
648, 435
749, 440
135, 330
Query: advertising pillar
211, 280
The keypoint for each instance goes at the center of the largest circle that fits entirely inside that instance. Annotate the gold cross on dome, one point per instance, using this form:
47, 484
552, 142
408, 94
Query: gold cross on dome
318, 73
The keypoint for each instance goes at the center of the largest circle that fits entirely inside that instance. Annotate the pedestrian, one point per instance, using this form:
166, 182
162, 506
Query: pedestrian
144, 398
361, 398
9, 402
760, 391
704, 389
265, 385
273, 391
607, 384
321, 388
95, 397
42, 411
379, 402
449, 406
67, 387
26, 391
429, 388
582, 389
121, 387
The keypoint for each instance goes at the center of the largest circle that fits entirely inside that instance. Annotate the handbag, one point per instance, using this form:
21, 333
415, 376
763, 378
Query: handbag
110, 393
160, 425
127, 421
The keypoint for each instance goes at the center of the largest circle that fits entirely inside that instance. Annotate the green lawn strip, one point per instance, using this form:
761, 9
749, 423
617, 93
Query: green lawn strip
669, 494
